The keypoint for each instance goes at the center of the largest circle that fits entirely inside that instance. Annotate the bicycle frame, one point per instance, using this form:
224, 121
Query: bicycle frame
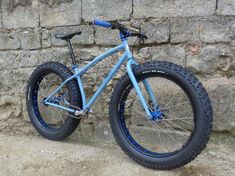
80, 71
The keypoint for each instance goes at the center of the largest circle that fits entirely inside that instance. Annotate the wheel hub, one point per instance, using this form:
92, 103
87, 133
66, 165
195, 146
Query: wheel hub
157, 115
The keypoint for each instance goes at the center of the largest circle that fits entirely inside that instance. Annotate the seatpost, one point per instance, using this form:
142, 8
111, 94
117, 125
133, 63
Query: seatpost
71, 52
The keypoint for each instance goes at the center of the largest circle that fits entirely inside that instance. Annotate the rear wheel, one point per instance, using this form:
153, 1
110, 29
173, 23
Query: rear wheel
182, 122
52, 123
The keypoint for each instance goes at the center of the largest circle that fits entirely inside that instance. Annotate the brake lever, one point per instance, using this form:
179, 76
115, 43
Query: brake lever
118, 26
145, 37
142, 36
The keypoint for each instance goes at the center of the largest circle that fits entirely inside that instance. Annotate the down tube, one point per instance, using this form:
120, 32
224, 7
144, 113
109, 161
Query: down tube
106, 80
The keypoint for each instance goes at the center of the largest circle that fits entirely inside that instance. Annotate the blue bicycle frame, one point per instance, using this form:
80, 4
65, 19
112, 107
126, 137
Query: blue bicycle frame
80, 71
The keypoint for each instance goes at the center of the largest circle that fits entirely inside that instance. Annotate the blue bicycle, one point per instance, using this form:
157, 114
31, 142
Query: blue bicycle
160, 114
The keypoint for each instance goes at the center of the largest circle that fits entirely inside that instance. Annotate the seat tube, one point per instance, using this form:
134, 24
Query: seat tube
137, 88
76, 69
71, 52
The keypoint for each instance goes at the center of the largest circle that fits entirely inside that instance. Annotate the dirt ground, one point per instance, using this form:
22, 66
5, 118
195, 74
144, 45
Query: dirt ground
26, 153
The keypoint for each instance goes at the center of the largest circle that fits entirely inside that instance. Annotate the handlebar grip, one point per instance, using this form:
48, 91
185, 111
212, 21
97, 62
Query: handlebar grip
102, 23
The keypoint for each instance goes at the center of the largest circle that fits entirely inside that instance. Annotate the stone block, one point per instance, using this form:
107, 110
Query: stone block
225, 49
106, 36
106, 10
205, 61
20, 77
87, 130
163, 8
30, 40
17, 14
9, 41
40, 56
87, 54
184, 30
1, 16
233, 33
224, 63
27, 59
174, 54
226, 7
8, 60
157, 32
11, 60
222, 98
46, 38
10, 106
103, 131
6, 81
87, 36
60, 13
54, 54
215, 30
226, 54
233, 64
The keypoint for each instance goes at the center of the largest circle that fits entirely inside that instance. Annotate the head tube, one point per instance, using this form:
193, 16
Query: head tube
127, 49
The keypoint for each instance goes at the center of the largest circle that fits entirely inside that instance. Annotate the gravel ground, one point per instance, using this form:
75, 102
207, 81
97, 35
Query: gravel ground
26, 153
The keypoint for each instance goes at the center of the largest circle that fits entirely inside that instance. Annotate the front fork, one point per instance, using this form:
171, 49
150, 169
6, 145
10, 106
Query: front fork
138, 91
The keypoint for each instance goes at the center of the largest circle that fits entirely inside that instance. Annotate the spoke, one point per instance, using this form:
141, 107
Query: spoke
169, 135
186, 110
177, 126
60, 115
42, 92
138, 101
45, 90
170, 101
137, 111
175, 131
47, 87
169, 107
159, 135
54, 108
180, 120
176, 118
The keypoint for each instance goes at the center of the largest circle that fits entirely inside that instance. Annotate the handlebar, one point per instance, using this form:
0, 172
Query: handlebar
139, 35
102, 23
120, 27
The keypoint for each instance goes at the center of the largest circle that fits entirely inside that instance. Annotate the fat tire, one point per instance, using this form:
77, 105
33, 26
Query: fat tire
201, 102
70, 124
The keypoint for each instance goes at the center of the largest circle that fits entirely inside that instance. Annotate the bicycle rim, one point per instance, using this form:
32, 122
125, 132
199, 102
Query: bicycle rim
161, 137
49, 117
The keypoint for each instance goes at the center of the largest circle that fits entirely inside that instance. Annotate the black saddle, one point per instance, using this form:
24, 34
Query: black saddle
67, 36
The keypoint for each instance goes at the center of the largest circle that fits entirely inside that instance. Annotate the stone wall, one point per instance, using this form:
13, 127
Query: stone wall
198, 34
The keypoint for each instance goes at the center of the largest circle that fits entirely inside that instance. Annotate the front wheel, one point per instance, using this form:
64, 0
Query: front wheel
182, 130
